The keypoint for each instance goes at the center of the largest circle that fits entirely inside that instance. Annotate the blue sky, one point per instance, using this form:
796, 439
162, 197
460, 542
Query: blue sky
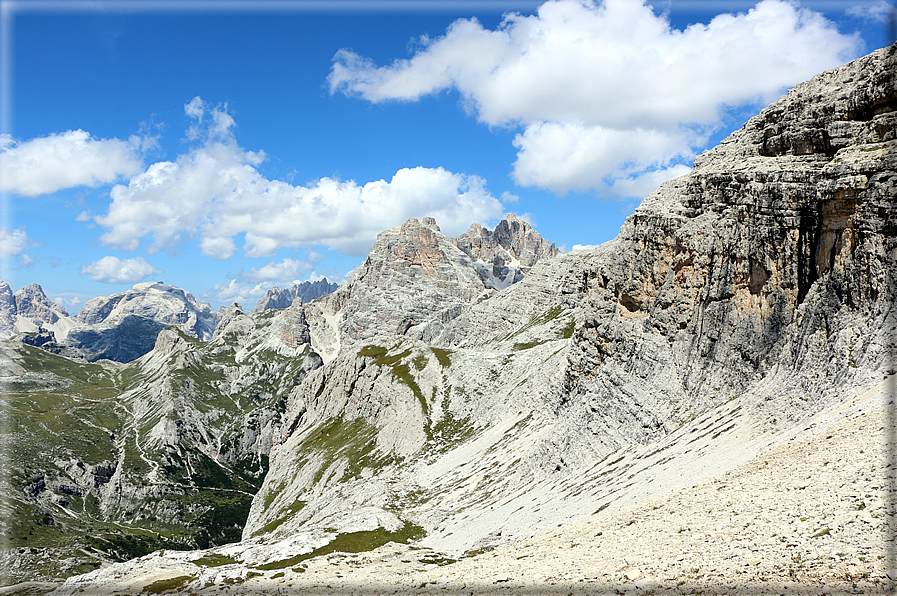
226, 147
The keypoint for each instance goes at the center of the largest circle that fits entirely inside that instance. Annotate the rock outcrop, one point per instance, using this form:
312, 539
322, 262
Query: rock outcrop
746, 297
304, 292
28, 310
413, 280
124, 326
7, 311
416, 280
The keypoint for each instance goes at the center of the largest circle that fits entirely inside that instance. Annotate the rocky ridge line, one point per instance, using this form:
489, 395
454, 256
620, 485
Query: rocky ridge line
304, 292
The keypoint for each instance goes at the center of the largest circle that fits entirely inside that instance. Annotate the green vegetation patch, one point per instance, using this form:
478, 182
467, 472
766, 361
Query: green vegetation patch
546, 317
273, 525
214, 560
569, 328
355, 440
119, 545
451, 431
442, 356
527, 345
171, 584
354, 542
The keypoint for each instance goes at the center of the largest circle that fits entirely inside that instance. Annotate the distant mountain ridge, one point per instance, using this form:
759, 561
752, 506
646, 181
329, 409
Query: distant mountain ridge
304, 292
120, 327
26, 309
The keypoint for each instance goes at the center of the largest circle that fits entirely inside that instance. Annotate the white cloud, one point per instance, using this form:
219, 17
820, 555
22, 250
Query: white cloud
287, 269
879, 11
507, 197
218, 128
643, 184
235, 291
217, 248
214, 192
12, 242
606, 90
72, 158
571, 155
195, 108
577, 247
113, 270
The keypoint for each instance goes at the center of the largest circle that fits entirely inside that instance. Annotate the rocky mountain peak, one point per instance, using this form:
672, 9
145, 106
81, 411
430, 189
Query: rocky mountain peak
34, 304
157, 301
7, 310
505, 255
413, 275
304, 292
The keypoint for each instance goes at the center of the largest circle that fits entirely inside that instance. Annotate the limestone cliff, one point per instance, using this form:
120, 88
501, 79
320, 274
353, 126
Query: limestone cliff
416, 280
33, 303
164, 304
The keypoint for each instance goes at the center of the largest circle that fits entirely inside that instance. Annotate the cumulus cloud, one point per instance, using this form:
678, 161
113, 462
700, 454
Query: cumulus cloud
112, 270
13, 242
215, 192
218, 248
608, 90
287, 269
236, 291
72, 158
879, 11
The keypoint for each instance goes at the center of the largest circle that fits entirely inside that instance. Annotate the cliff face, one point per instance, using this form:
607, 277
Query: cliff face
773, 259
164, 304
28, 309
33, 303
505, 255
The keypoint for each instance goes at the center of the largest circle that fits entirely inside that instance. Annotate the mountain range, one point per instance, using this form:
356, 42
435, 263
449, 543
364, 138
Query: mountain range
458, 398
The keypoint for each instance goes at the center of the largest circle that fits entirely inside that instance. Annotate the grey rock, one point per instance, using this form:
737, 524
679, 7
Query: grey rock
39, 339
7, 311
124, 326
413, 278
130, 338
154, 301
742, 307
416, 280
31, 302
505, 255
304, 292
751, 294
